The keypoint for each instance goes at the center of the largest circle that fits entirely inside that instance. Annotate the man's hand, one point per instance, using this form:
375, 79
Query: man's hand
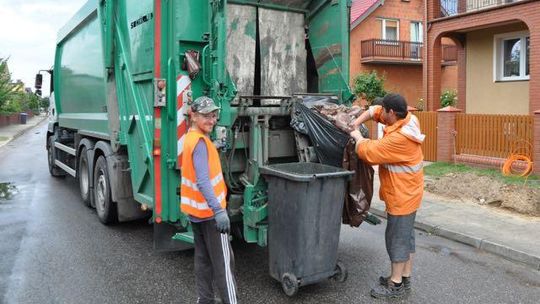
223, 224
357, 135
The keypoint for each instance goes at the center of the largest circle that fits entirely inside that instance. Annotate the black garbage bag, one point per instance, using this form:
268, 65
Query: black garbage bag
327, 139
335, 147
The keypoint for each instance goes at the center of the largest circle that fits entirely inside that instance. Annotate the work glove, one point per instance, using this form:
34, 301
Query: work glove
223, 224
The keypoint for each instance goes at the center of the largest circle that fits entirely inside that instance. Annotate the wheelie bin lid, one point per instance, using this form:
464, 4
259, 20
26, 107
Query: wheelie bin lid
304, 172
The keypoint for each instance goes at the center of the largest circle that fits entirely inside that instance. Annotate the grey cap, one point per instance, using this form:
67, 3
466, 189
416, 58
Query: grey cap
204, 105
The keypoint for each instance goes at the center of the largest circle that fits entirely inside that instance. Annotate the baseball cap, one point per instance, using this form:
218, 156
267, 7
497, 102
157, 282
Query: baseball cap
204, 105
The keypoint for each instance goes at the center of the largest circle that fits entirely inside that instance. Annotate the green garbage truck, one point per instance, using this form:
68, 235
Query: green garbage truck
125, 72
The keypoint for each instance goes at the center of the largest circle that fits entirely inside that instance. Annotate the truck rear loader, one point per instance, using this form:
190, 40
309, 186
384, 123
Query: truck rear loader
125, 72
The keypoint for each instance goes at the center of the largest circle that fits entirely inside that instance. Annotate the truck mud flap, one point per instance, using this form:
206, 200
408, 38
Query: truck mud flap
163, 238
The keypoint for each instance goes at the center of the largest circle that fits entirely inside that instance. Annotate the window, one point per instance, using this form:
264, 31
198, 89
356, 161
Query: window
416, 40
511, 56
416, 31
390, 29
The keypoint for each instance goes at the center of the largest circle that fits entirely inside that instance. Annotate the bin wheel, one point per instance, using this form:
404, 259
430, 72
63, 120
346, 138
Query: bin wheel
341, 272
289, 283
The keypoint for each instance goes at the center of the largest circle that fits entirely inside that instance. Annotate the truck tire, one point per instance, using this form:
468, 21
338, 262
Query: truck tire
83, 173
53, 169
106, 209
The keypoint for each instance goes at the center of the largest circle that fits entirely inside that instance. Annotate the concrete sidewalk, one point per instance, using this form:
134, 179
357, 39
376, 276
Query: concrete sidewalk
8, 133
513, 236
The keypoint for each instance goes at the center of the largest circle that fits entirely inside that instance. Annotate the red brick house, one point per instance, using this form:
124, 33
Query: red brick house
387, 37
498, 59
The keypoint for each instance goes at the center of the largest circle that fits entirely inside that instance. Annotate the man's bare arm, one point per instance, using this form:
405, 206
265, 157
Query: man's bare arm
365, 116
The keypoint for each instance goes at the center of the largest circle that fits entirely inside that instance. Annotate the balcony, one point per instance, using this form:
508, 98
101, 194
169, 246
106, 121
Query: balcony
455, 7
400, 52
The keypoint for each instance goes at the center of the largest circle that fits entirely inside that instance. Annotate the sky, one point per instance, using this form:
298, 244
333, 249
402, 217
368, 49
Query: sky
28, 31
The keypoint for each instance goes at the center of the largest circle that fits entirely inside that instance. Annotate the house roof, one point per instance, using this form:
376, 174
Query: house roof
361, 9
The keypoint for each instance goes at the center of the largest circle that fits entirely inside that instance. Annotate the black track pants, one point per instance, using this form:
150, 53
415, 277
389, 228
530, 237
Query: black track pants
214, 262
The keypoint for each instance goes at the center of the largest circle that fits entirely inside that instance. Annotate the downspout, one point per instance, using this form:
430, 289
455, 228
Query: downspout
426, 52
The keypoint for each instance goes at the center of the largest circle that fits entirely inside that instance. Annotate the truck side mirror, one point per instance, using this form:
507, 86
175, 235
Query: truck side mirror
39, 81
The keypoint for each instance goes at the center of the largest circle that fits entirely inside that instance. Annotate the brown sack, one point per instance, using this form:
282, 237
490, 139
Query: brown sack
359, 188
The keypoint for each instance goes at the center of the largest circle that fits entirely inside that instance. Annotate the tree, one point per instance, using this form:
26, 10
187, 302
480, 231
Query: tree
369, 86
6, 92
45, 102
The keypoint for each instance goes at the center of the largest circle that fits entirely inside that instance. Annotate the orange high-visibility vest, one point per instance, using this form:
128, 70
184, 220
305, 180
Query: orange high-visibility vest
192, 201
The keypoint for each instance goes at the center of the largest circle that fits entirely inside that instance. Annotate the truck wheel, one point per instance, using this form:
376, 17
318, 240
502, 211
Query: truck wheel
289, 283
84, 177
53, 169
105, 208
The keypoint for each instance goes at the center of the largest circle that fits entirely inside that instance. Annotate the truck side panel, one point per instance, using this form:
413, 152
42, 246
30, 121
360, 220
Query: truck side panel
80, 88
329, 38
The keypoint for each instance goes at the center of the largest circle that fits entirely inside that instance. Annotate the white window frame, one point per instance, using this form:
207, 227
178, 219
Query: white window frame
498, 53
383, 27
420, 32
420, 39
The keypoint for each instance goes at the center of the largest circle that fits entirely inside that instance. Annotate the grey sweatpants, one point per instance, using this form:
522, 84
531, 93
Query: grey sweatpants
214, 263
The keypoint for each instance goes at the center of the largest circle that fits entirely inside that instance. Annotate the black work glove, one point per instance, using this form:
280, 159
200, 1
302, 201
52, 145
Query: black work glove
223, 224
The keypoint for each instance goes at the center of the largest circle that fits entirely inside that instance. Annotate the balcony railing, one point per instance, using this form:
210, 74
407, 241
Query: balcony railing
392, 49
375, 50
454, 7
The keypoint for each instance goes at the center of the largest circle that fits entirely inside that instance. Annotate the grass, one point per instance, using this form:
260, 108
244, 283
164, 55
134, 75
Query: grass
3, 138
441, 168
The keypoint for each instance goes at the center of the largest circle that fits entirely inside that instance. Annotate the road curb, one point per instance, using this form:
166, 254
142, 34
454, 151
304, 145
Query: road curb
21, 132
482, 244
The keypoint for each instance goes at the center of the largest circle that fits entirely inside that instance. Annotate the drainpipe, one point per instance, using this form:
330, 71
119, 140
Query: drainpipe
426, 51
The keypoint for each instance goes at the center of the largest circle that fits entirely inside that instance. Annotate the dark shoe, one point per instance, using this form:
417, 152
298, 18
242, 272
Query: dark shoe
405, 280
388, 291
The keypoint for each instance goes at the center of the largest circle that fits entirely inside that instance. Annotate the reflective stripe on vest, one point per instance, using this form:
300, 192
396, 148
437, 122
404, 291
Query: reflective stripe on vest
403, 168
200, 205
215, 181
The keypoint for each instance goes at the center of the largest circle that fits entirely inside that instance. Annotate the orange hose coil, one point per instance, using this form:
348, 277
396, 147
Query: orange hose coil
515, 156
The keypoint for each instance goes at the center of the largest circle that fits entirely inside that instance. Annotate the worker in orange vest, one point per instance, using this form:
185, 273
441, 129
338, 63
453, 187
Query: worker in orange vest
203, 198
399, 156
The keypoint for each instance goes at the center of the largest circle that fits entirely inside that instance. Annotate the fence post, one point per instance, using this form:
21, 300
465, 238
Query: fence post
446, 131
536, 142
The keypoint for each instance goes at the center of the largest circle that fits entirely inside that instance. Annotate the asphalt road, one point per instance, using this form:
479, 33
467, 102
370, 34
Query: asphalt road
54, 250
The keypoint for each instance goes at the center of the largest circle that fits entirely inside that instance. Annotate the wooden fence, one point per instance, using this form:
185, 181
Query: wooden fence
494, 135
478, 134
428, 125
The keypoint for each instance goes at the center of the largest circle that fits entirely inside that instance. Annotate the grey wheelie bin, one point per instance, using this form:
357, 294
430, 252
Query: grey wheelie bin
305, 202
